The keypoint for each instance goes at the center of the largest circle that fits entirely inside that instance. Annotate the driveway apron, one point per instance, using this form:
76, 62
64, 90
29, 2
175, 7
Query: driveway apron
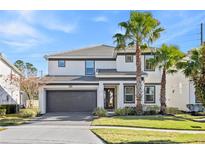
57, 128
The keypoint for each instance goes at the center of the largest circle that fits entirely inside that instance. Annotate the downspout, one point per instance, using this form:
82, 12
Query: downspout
189, 92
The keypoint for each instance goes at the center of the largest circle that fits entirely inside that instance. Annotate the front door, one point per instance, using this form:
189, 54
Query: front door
109, 98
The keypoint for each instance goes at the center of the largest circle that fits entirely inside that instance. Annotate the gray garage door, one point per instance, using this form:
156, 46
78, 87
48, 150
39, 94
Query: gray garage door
71, 101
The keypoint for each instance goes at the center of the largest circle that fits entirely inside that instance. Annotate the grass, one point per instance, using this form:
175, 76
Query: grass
11, 121
158, 122
190, 117
17, 119
120, 136
2, 129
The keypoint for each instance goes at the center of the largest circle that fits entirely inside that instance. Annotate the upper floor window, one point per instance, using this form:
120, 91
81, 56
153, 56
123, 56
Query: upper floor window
128, 58
129, 94
197, 99
89, 67
149, 96
147, 64
61, 63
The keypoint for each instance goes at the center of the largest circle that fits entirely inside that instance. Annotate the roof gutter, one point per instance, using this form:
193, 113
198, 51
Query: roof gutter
10, 64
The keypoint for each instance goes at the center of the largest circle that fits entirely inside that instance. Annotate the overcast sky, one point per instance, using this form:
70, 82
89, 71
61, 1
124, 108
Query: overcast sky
29, 35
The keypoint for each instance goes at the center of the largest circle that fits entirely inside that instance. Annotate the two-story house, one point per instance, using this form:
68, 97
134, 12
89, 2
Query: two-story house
99, 76
9, 91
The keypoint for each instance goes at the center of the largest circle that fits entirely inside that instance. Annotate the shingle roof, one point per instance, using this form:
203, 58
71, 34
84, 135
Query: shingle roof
132, 50
115, 72
10, 64
99, 51
57, 79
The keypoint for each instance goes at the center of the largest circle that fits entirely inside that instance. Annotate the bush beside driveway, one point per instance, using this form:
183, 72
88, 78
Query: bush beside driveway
20, 118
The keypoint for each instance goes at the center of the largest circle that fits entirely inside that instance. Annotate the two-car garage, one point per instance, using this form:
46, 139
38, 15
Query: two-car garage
71, 100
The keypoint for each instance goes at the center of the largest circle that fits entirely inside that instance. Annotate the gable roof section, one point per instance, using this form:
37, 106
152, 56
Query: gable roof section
96, 52
2, 58
131, 50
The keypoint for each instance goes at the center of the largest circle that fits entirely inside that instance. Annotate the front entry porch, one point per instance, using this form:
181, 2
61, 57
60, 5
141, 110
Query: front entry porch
110, 97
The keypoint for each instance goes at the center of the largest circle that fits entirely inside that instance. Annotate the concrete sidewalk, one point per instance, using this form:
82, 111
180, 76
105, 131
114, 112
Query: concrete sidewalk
151, 129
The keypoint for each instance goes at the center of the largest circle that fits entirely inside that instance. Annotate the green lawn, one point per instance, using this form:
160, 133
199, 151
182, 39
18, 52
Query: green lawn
20, 118
189, 117
11, 121
136, 136
2, 129
158, 122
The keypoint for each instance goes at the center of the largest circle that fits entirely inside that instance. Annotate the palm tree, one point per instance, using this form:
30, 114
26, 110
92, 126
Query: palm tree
166, 59
194, 68
140, 30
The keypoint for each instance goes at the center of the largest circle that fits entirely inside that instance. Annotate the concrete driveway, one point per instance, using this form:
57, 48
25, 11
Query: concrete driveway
54, 128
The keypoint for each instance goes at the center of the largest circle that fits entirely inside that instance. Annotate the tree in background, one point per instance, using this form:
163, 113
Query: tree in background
29, 83
31, 70
139, 31
166, 59
20, 65
194, 68
27, 69
30, 87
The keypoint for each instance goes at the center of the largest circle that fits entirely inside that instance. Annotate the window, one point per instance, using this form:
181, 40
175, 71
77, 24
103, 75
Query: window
149, 94
89, 67
61, 63
129, 94
128, 58
7, 98
147, 64
197, 98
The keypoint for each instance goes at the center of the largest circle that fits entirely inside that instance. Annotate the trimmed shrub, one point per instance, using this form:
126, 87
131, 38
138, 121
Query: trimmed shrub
125, 111
151, 109
100, 112
10, 108
28, 113
131, 110
172, 110
120, 112
2, 112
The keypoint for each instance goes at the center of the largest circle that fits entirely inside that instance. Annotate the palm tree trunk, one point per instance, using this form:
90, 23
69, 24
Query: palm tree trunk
163, 92
138, 80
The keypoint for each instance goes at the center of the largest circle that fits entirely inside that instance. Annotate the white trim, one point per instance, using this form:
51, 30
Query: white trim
70, 87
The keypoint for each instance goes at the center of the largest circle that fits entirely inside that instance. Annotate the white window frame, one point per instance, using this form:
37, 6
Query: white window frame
127, 61
61, 60
125, 94
146, 57
88, 67
145, 101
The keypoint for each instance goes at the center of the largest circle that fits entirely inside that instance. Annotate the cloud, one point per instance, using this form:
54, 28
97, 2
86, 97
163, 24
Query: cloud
18, 43
100, 19
47, 20
180, 28
17, 28
27, 15
59, 26
23, 31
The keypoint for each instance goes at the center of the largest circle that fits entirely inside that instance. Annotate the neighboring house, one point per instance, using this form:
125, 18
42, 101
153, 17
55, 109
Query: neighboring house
99, 76
9, 93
